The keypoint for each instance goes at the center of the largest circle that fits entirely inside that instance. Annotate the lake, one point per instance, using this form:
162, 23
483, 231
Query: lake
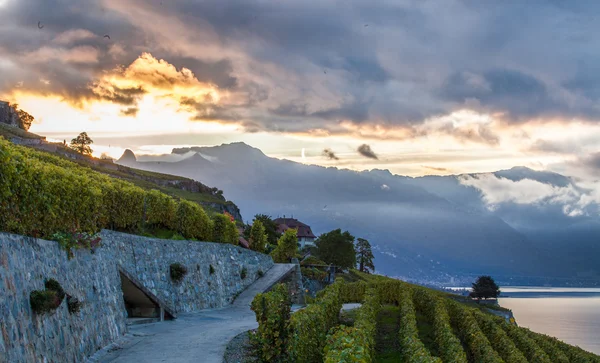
569, 314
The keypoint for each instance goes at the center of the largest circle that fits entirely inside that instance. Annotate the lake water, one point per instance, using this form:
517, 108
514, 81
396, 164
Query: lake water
569, 314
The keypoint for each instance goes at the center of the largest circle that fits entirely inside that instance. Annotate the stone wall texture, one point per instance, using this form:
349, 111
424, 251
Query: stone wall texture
8, 115
25, 263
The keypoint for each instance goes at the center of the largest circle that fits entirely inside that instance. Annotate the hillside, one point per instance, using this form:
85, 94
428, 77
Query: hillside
47, 196
210, 198
397, 322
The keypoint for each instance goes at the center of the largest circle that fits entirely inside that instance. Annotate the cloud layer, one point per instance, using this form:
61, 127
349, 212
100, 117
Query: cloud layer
312, 66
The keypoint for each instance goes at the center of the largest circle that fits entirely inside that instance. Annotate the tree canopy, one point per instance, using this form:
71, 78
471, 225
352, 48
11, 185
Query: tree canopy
270, 228
82, 143
258, 237
287, 246
364, 256
485, 287
224, 229
337, 248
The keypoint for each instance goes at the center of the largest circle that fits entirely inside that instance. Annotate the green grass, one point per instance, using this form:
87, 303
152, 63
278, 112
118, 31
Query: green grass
387, 339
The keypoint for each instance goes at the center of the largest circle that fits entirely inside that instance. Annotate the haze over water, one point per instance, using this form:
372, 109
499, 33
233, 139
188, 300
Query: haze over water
569, 314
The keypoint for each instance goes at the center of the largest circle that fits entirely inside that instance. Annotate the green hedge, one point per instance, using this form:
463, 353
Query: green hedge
549, 346
309, 326
413, 350
356, 344
526, 345
272, 311
42, 194
432, 306
471, 335
498, 338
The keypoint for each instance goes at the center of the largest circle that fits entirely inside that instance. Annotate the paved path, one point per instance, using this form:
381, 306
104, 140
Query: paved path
195, 337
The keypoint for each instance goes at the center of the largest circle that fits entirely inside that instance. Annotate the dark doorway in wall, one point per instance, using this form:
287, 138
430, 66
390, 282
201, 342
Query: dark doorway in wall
142, 306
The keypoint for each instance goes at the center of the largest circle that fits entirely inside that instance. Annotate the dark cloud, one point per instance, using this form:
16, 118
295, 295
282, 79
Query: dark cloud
402, 69
130, 111
435, 168
365, 150
328, 153
592, 161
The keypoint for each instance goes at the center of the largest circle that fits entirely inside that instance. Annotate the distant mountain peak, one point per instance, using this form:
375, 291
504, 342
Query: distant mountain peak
128, 156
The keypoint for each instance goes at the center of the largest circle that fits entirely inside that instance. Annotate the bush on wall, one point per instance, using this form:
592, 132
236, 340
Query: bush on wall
177, 272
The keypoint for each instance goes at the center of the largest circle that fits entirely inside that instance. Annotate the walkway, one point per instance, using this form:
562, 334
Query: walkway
195, 337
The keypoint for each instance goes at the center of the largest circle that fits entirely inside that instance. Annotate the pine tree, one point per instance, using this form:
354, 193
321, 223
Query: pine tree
364, 255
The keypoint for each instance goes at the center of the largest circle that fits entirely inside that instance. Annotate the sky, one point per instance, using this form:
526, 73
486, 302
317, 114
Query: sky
416, 87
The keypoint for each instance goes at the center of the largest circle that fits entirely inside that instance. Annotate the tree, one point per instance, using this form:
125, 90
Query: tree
485, 287
337, 248
224, 230
25, 118
82, 143
258, 238
287, 246
364, 255
270, 228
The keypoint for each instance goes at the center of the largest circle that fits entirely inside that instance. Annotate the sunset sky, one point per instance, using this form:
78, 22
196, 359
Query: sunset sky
433, 87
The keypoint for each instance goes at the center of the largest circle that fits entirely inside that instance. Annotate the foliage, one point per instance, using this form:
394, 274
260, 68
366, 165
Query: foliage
243, 273
272, 311
312, 260
224, 229
161, 210
211, 269
258, 238
53, 285
498, 338
313, 273
337, 248
82, 143
73, 304
485, 287
364, 256
287, 247
42, 194
432, 306
413, 349
260, 273
177, 272
25, 118
76, 240
471, 335
270, 227
356, 344
193, 222
309, 326
526, 345
44, 301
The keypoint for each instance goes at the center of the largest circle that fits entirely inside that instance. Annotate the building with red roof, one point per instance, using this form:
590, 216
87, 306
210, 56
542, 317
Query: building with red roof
305, 235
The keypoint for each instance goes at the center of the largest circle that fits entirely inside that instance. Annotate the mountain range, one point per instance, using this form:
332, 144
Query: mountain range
520, 225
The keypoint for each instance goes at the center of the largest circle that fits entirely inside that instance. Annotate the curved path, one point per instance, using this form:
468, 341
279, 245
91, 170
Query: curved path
196, 337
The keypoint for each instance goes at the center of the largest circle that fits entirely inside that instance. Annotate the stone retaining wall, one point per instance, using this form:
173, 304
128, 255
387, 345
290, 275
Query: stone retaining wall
26, 262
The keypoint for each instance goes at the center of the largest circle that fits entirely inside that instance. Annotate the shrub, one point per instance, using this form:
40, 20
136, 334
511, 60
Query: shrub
356, 344
272, 311
193, 222
76, 240
53, 285
73, 304
243, 273
309, 326
260, 273
498, 338
312, 260
177, 272
313, 273
211, 269
43, 194
526, 345
44, 301
224, 229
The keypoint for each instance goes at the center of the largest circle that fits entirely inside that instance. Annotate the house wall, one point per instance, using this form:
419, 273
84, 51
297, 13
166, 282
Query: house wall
25, 263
